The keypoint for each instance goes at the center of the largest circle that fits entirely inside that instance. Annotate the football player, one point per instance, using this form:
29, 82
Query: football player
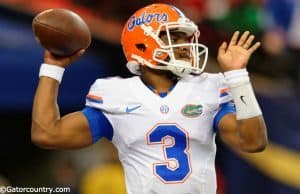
164, 120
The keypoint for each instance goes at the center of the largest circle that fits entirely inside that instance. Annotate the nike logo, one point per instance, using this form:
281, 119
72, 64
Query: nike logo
128, 110
242, 99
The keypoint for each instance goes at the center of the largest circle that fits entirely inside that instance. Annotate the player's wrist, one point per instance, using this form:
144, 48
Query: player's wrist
51, 71
237, 77
242, 92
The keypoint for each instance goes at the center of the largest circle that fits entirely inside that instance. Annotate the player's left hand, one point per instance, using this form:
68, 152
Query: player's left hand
237, 54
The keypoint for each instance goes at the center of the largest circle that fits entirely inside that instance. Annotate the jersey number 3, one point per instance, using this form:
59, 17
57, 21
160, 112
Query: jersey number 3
175, 167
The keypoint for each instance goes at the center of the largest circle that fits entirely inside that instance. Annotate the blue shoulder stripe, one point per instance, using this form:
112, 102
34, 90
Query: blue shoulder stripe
99, 124
225, 108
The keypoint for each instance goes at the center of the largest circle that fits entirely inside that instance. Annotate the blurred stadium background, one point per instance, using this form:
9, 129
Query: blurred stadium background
275, 72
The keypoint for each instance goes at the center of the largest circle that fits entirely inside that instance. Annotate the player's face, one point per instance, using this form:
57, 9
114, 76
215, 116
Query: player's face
182, 52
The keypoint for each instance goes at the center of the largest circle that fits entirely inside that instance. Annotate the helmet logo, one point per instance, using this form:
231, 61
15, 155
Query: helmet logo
146, 18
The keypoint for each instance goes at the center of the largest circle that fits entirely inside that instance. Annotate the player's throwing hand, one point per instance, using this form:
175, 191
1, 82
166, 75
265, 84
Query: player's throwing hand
62, 61
237, 53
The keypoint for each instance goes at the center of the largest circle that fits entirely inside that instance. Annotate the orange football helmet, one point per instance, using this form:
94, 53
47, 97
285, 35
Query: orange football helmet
142, 44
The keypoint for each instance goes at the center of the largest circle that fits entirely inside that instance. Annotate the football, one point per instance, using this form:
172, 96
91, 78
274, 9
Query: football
61, 31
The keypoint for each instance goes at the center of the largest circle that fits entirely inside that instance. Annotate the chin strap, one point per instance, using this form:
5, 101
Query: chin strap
180, 70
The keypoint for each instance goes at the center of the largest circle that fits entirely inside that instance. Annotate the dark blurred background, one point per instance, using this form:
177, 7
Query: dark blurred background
275, 74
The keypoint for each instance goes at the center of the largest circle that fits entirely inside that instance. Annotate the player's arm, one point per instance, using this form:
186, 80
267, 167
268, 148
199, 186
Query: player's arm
248, 135
48, 129
246, 130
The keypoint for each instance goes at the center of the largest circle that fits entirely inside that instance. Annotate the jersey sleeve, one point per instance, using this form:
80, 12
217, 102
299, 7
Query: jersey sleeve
105, 95
98, 123
96, 94
98, 104
226, 104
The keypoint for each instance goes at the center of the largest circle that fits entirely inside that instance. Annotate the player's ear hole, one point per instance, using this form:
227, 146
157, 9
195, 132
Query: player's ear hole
141, 47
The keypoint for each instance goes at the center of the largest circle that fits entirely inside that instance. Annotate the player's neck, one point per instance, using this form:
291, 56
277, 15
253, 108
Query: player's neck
159, 80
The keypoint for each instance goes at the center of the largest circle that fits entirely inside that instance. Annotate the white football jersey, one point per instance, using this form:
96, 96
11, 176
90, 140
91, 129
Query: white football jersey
166, 145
